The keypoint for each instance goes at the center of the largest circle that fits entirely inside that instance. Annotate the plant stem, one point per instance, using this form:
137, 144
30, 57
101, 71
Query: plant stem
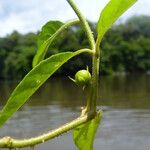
84, 23
93, 89
95, 80
8, 142
92, 96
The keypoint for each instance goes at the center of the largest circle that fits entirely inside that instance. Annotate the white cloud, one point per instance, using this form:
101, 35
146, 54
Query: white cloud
30, 15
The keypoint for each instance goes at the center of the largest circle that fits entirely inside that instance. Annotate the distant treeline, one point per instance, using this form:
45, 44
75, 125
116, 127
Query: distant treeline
125, 49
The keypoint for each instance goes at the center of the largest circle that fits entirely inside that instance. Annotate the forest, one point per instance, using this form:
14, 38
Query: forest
125, 49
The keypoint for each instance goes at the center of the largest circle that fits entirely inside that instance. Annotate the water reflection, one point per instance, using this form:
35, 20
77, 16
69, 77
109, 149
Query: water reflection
125, 91
126, 104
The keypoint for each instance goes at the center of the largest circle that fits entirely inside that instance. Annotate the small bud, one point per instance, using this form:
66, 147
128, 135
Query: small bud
82, 77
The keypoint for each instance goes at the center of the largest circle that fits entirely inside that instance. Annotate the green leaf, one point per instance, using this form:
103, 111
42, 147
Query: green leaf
48, 30
113, 10
84, 134
32, 81
45, 38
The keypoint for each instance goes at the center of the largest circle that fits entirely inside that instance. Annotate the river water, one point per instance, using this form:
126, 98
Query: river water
125, 101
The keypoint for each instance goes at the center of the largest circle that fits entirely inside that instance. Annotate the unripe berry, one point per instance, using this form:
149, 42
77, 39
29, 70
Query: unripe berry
82, 77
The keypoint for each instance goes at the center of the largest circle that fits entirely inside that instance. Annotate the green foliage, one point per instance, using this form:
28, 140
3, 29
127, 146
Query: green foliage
32, 81
2, 59
140, 24
16, 54
113, 10
84, 134
45, 38
19, 64
49, 32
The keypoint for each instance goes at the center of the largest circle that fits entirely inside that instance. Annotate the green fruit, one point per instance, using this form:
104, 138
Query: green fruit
82, 77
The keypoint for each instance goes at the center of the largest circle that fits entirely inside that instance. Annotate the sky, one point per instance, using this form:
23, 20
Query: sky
29, 15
